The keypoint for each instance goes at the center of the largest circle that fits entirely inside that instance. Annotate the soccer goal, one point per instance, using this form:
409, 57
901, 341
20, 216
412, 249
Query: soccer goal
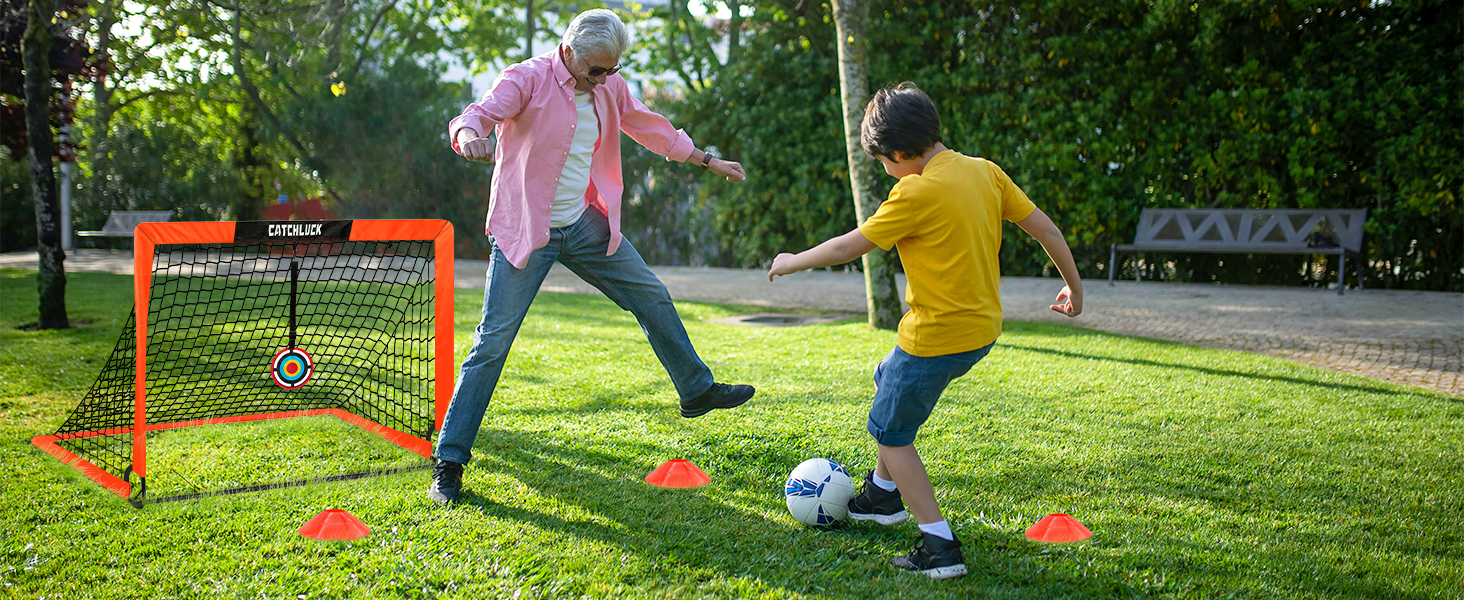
252, 321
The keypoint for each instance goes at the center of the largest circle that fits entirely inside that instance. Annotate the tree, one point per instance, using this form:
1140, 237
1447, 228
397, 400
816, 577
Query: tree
129, 68
881, 297
1100, 110
36, 49
68, 59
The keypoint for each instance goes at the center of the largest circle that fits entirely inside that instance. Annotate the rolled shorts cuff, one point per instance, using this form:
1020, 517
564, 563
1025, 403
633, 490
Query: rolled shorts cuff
893, 439
907, 388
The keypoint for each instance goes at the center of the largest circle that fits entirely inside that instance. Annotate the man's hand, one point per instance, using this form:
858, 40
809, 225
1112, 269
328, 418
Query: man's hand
726, 168
1068, 303
782, 265
474, 148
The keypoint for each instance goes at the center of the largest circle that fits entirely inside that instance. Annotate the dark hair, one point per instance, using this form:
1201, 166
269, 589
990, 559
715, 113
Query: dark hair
899, 119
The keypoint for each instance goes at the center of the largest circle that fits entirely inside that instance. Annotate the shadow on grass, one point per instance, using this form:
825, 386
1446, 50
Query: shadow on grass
1216, 372
1209, 512
682, 536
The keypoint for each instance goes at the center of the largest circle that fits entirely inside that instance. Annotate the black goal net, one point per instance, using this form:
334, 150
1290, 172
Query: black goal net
251, 331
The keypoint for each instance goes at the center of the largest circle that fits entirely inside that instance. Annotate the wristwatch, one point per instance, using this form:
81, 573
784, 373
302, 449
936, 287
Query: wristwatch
706, 160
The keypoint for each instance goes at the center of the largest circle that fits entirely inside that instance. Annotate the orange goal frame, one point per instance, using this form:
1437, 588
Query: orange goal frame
148, 235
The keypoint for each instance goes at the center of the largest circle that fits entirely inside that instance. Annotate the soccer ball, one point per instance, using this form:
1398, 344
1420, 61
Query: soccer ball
818, 492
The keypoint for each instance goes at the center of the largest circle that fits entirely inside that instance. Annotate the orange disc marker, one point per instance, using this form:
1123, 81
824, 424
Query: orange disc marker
334, 524
677, 473
1058, 528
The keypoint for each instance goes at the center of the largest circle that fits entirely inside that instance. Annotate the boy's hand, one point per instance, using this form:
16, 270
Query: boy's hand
835, 251
1068, 303
782, 265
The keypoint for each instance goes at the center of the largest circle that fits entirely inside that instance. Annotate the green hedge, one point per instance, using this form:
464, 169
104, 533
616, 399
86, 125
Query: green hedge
1099, 110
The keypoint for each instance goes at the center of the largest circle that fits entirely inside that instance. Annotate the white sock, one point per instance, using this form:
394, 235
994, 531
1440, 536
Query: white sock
884, 484
938, 528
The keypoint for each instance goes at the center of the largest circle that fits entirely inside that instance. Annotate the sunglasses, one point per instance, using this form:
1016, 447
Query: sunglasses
598, 71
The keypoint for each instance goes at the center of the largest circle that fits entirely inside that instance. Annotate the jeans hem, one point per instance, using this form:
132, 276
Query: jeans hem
439, 456
698, 394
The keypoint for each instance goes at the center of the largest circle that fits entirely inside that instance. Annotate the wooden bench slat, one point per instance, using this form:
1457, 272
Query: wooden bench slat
1286, 227
1231, 249
1245, 231
121, 223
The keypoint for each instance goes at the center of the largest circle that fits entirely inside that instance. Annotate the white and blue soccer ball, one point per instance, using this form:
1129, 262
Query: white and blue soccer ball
818, 492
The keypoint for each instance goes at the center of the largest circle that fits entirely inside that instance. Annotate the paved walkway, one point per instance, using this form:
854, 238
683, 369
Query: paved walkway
1404, 337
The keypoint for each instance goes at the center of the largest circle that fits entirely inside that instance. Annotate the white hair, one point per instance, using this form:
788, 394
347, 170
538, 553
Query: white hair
597, 31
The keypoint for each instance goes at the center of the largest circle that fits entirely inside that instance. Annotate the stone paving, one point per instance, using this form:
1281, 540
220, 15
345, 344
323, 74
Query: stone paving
1404, 337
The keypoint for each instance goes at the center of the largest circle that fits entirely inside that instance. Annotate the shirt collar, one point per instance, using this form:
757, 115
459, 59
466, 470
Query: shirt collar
941, 157
561, 73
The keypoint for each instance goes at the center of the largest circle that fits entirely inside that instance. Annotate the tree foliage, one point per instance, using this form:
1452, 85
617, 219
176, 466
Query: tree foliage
1101, 109
1097, 109
204, 107
69, 57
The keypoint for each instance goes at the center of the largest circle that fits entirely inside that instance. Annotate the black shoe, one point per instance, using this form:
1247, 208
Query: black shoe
935, 556
875, 504
447, 481
720, 395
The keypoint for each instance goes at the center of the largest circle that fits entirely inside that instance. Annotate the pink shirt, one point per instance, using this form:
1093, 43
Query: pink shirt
532, 105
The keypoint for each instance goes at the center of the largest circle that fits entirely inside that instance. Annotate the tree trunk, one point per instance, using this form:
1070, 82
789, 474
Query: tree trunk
734, 32
529, 30
673, 32
36, 50
100, 140
882, 299
236, 43
251, 168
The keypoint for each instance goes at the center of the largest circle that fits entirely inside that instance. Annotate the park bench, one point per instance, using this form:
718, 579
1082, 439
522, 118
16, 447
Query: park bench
1227, 231
121, 222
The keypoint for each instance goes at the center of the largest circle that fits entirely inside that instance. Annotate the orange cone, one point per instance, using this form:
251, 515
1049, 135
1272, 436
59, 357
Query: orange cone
677, 473
334, 524
1058, 528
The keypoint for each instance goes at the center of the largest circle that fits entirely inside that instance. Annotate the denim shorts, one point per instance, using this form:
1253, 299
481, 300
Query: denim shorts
907, 388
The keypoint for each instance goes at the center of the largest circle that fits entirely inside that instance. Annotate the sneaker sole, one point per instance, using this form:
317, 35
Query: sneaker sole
882, 519
697, 413
950, 572
440, 497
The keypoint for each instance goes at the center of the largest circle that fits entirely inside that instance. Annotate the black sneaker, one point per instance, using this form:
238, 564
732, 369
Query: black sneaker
935, 556
720, 395
447, 481
875, 504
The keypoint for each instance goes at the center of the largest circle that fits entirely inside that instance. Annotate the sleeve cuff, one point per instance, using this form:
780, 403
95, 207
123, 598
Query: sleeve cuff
1024, 212
875, 239
462, 122
681, 148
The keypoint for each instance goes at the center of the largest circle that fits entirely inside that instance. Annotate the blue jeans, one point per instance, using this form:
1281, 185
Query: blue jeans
623, 277
907, 388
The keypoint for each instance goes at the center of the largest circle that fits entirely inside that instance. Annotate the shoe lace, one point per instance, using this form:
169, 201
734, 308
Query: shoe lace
447, 472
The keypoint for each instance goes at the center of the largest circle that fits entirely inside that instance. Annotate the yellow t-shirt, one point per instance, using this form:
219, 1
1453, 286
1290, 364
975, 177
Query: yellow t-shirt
946, 222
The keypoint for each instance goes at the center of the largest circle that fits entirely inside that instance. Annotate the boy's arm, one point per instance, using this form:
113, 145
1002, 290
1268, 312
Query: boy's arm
1041, 228
835, 251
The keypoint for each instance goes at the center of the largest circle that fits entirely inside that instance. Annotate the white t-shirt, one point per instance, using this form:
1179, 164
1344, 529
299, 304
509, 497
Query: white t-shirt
574, 180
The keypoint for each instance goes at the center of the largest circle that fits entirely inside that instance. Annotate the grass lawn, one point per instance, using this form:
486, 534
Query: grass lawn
1202, 473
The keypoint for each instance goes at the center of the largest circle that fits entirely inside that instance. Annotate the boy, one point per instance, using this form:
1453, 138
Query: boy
945, 216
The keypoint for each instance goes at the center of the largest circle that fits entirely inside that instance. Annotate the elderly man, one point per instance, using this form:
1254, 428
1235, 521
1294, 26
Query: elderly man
556, 197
